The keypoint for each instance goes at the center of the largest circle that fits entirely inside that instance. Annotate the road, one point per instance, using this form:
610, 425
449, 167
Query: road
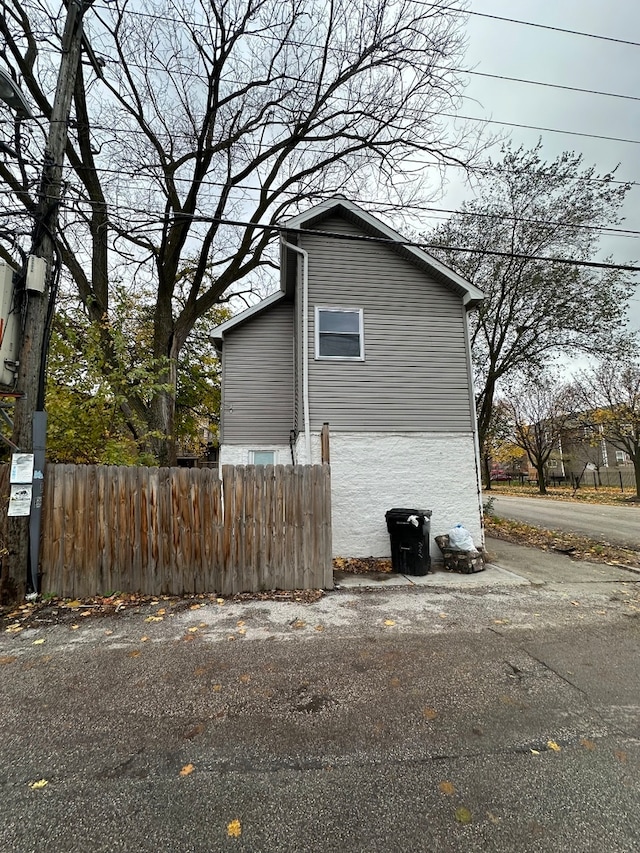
499, 718
617, 525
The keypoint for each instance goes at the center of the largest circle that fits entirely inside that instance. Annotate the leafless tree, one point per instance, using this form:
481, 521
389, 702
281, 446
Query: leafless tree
540, 407
609, 396
528, 211
220, 112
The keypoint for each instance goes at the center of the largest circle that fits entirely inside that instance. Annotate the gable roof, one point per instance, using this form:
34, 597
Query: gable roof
339, 206
218, 333
374, 227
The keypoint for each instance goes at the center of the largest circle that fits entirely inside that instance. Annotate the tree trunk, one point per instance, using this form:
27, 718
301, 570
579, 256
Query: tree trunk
636, 470
542, 486
486, 471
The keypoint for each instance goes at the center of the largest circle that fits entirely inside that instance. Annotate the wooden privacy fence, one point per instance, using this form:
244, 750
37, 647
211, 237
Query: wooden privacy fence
183, 530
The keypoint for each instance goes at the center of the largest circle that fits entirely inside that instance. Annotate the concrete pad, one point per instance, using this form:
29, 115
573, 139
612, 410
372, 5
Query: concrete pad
491, 576
378, 580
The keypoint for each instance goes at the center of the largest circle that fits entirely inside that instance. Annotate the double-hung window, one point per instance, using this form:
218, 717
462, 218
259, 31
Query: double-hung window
339, 333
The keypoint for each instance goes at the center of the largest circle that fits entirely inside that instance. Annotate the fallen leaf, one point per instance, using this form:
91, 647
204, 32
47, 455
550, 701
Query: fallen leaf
588, 744
429, 713
14, 629
41, 783
551, 744
240, 623
242, 631
395, 681
195, 731
154, 619
144, 639
38, 642
161, 611
443, 615
74, 627
108, 633
74, 604
576, 603
493, 818
463, 815
245, 678
621, 756
447, 788
535, 752
187, 770
188, 638
7, 659
86, 613
500, 621
319, 627
134, 653
234, 829
297, 623
220, 601
231, 638
203, 625
196, 606
389, 622
217, 688
193, 630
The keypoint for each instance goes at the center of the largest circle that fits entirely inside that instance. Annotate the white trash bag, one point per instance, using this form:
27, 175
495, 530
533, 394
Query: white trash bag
460, 539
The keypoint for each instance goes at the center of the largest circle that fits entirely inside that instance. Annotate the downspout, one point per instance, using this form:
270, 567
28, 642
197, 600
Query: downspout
474, 417
305, 345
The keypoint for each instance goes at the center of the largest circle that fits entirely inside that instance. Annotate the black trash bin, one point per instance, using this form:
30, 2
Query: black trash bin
409, 534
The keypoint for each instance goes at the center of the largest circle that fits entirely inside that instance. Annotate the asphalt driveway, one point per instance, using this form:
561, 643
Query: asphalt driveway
618, 525
448, 717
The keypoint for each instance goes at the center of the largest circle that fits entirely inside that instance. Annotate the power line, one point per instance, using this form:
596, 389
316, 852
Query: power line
544, 129
548, 85
610, 230
470, 12
279, 229
538, 26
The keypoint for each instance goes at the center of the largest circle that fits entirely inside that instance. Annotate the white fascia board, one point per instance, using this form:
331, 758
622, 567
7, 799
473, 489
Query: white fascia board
218, 333
471, 295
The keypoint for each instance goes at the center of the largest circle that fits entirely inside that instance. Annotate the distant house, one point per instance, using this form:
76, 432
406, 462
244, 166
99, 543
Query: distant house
369, 336
585, 453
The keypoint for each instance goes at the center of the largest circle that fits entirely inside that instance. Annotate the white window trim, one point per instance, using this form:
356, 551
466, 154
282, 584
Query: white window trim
255, 450
350, 309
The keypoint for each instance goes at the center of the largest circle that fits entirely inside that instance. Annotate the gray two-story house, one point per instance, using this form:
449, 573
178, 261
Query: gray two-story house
369, 335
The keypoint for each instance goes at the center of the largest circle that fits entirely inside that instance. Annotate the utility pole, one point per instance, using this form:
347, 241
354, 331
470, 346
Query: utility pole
29, 423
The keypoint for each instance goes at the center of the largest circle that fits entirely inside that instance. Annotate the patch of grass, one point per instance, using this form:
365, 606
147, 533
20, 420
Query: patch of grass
577, 547
585, 494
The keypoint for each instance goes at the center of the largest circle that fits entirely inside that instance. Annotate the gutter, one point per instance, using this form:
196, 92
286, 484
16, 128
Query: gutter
305, 345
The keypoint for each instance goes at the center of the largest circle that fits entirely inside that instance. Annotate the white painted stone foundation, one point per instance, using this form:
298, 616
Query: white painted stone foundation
373, 472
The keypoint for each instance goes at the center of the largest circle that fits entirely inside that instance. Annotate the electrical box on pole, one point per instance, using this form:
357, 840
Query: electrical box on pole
9, 329
36, 274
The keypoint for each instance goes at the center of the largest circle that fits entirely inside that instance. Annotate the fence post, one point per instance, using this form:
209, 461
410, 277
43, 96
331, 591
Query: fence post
621, 486
324, 444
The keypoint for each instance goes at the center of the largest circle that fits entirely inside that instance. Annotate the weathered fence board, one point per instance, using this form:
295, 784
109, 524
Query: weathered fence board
179, 530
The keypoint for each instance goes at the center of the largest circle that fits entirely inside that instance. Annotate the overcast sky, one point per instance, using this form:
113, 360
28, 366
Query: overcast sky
514, 50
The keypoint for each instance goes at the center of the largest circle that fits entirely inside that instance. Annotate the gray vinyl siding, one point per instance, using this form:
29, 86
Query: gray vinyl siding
257, 379
415, 375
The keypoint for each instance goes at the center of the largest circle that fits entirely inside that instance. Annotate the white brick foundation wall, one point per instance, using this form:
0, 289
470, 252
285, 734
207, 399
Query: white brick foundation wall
373, 472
